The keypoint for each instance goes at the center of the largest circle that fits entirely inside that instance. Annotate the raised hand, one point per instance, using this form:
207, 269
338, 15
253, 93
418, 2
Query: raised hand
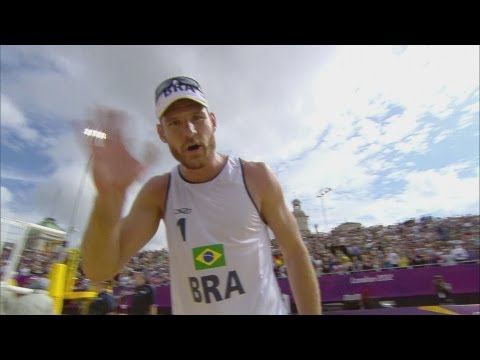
113, 167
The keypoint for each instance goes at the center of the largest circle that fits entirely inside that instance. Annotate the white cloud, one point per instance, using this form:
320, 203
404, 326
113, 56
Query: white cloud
13, 174
370, 131
441, 190
432, 191
14, 120
472, 108
399, 127
466, 120
6, 196
337, 168
56, 198
417, 142
442, 136
9, 200
426, 78
379, 164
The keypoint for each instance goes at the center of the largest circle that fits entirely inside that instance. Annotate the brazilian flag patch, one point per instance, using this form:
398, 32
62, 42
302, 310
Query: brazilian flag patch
208, 257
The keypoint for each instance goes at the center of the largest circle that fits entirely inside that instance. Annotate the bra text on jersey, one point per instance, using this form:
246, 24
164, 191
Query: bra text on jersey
207, 288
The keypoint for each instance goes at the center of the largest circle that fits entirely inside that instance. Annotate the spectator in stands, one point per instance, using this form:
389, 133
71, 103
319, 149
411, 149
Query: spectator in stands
105, 302
143, 296
357, 265
393, 258
365, 298
447, 257
23, 277
403, 262
326, 268
459, 253
443, 290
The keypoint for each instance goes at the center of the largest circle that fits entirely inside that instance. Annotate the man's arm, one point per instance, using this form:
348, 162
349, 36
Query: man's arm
109, 241
301, 273
153, 307
153, 310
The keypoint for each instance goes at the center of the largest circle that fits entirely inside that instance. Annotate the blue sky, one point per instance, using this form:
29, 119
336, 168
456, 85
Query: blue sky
393, 130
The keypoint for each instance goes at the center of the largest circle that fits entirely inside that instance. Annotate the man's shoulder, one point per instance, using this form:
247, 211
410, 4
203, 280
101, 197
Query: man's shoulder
157, 184
259, 178
160, 179
258, 172
154, 191
256, 167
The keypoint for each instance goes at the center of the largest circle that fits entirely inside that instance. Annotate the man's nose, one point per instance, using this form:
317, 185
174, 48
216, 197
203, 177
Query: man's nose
190, 128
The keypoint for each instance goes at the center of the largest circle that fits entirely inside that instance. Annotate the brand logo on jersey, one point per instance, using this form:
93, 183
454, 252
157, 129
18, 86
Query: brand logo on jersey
208, 257
183, 211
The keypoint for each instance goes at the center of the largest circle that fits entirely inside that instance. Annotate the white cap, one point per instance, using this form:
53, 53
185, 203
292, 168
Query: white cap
177, 90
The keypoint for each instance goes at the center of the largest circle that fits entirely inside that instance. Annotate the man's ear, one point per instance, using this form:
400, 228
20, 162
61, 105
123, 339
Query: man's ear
213, 119
161, 132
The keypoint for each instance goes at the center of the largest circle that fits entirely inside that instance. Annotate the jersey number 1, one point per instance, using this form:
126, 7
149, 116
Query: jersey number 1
181, 224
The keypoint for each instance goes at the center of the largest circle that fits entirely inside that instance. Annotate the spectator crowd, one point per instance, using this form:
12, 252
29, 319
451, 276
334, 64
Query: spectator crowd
348, 248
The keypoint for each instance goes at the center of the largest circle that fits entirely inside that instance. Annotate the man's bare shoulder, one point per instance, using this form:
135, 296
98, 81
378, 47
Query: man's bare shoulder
258, 171
158, 182
156, 188
255, 166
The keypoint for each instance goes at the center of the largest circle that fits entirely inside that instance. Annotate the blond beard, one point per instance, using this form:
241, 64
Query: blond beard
195, 164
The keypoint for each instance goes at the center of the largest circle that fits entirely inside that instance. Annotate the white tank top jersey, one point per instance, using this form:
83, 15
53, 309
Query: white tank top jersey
220, 256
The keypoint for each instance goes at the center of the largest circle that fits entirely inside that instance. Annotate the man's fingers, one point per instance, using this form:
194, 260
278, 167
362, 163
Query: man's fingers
112, 122
101, 124
151, 155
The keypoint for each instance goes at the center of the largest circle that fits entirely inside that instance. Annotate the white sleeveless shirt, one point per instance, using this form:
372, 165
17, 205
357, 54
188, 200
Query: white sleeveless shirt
220, 256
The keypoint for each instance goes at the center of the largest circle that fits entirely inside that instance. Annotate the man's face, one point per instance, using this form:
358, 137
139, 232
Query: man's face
139, 279
189, 129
